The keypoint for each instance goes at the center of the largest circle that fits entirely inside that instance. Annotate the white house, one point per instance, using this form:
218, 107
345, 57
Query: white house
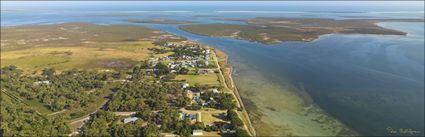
197, 132
185, 85
215, 90
42, 82
130, 119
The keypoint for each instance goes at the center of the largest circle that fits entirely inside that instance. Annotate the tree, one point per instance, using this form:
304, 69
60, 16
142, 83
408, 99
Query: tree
97, 127
117, 130
182, 101
211, 128
241, 133
170, 76
236, 122
183, 128
234, 118
151, 130
119, 75
231, 114
226, 101
60, 127
60, 103
162, 69
183, 70
198, 125
194, 106
145, 64
136, 70
48, 72
145, 114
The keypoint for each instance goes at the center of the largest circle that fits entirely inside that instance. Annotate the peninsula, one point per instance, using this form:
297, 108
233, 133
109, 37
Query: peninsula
276, 30
160, 21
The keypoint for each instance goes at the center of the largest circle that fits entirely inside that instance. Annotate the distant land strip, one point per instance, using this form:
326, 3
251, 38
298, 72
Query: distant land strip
277, 30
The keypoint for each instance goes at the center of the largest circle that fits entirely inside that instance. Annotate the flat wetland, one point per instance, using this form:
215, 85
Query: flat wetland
77, 45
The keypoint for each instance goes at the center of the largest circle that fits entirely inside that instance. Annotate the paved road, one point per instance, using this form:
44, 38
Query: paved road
88, 115
85, 118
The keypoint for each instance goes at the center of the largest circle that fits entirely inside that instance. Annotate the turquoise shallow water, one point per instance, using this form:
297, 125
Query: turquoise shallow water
368, 82
365, 81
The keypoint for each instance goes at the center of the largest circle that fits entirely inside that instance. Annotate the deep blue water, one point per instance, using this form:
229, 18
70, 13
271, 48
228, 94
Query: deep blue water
368, 82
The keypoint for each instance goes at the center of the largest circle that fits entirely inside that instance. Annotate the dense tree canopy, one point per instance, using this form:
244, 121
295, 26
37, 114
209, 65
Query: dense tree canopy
140, 95
220, 100
19, 119
157, 102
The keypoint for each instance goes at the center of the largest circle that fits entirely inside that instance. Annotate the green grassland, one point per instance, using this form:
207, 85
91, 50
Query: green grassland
210, 79
39, 107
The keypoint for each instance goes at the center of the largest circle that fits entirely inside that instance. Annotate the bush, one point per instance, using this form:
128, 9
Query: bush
241, 133
194, 107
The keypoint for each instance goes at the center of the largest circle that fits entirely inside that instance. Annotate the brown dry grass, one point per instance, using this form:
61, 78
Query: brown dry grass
33, 59
77, 45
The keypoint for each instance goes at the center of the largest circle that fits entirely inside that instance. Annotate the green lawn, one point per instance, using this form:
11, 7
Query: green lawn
40, 107
208, 79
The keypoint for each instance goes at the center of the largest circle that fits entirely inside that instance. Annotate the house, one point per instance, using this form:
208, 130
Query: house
196, 117
204, 104
169, 135
197, 132
192, 116
211, 124
215, 90
42, 82
181, 115
202, 71
130, 119
149, 71
128, 77
197, 99
172, 66
185, 85
198, 94
228, 131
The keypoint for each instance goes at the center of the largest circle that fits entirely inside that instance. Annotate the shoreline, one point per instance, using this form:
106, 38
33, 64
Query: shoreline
228, 81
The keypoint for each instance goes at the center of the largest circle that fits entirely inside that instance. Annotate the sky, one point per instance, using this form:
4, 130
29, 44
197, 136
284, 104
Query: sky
404, 5
32, 3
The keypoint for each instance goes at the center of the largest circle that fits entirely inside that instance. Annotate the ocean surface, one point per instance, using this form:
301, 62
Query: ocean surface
371, 84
